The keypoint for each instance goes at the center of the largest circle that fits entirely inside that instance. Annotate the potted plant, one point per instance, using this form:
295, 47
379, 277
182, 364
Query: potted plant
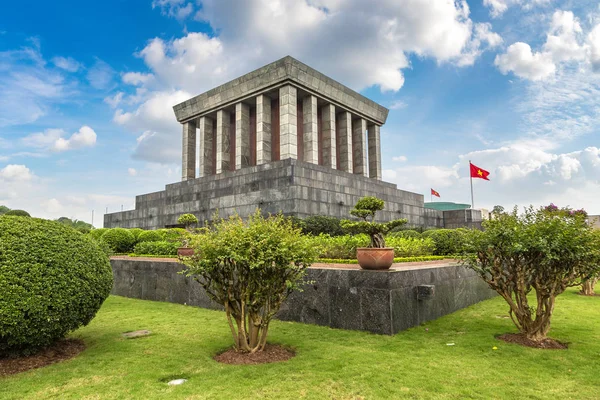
376, 256
187, 220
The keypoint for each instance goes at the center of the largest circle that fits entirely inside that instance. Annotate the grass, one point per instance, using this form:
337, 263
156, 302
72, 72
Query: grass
330, 364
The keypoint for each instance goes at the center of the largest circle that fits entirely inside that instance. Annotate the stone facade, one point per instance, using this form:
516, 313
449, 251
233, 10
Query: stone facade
284, 138
383, 302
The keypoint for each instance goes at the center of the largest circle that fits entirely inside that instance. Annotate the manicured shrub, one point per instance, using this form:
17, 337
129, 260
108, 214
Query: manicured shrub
17, 213
318, 224
411, 247
53, 280
97, 233
447, 241
161, 248
408, 233
535, 255
187, 220
150, 236
339, 246
174, 234
250, 267
119, 240
136, 232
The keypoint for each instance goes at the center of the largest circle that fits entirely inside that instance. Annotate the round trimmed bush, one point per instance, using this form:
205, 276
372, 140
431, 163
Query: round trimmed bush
156, 248
53, 280
17, 213
97, 233
120, 240
150, 236
136, 232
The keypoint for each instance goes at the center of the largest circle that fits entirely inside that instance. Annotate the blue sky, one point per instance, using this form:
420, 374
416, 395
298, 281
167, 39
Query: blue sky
87, 89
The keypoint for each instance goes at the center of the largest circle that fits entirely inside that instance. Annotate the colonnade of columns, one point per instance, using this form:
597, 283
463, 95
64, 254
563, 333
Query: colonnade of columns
277, 129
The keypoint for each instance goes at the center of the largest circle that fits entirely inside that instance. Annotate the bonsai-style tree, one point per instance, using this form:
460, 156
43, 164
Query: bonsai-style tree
187, 220
250, 267
365, 209
538, 251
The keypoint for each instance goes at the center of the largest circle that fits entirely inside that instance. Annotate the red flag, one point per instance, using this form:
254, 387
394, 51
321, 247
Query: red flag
477, 172
434, 193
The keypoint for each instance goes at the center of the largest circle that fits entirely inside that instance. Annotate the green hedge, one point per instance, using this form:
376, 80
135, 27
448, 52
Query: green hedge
408, 233
156, 248
447, 241
344, 247
119, 240
97, 233
150, 236
53, 280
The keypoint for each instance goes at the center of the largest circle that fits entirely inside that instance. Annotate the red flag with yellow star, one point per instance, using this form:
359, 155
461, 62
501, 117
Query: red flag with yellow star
477, 172
434, 193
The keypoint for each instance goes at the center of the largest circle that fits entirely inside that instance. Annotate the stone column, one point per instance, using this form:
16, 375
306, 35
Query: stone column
188, 165
374, 152
242, 135
359, 147
206, 146
344, 142
328, 128
288, 129
263, 129
311, 135
222, 141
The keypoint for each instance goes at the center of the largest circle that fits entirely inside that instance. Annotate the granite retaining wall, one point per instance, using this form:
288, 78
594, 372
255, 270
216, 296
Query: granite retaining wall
383, 302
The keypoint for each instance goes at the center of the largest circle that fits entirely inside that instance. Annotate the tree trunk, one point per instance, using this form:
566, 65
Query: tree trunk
377, 241
587, 286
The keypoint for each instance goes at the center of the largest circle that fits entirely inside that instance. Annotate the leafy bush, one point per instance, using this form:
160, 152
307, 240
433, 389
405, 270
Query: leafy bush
187, 220
411, 247
156, 248
447, 241
4, 210
119, 240
365, 209
408, 233
97, 233
339, 246
174, 234
250, 268
150, 236
53, 280
539, 251
17, 213
136, 232
80, 226
318, 224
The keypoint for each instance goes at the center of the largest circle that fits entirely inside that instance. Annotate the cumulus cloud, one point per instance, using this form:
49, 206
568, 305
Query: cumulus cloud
136, 78
13, 172
524, 63
53, 139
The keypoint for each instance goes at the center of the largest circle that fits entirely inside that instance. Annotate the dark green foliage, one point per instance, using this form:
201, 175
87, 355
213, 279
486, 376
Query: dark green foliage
119, 240
318, 224
150, 236
366, 208
52, 281
447, 241
156, 248
174, 234
97, 233
17, 213
4, 210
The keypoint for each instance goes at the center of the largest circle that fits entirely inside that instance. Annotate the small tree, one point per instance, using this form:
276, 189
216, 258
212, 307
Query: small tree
365, 209
590, 276
539, 251
187, 220
250, 268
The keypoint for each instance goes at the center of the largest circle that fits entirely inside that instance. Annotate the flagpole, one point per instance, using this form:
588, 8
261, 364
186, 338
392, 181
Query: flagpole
471, 177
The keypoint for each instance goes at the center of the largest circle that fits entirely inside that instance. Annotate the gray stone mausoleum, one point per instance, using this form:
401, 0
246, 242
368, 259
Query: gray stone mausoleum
284, 138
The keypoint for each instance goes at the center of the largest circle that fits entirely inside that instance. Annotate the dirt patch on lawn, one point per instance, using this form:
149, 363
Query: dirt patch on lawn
60, 351
519, 338
271, 353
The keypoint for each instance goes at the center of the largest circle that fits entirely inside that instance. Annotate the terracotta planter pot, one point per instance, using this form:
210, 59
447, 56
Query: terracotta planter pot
185, 251
371, 258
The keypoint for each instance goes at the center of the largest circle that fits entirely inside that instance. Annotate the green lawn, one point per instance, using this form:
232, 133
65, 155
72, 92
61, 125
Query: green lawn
330, 364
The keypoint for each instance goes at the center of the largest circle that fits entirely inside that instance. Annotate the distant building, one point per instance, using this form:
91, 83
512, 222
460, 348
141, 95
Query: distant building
447, 206
594, 221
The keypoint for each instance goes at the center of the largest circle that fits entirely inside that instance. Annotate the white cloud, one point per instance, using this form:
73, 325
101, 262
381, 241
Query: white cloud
13, 172
563, 38
397, 105
68, 64
132, 171
100, 75
53, 139
400, 159
178, 9
499, 7
524, 63
136, 78
115, 100
593, 40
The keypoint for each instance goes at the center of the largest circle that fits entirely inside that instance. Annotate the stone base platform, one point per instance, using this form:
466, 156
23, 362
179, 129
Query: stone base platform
339, 296
293, 187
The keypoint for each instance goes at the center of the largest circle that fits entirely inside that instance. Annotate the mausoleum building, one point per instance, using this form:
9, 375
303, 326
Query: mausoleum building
283, 138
